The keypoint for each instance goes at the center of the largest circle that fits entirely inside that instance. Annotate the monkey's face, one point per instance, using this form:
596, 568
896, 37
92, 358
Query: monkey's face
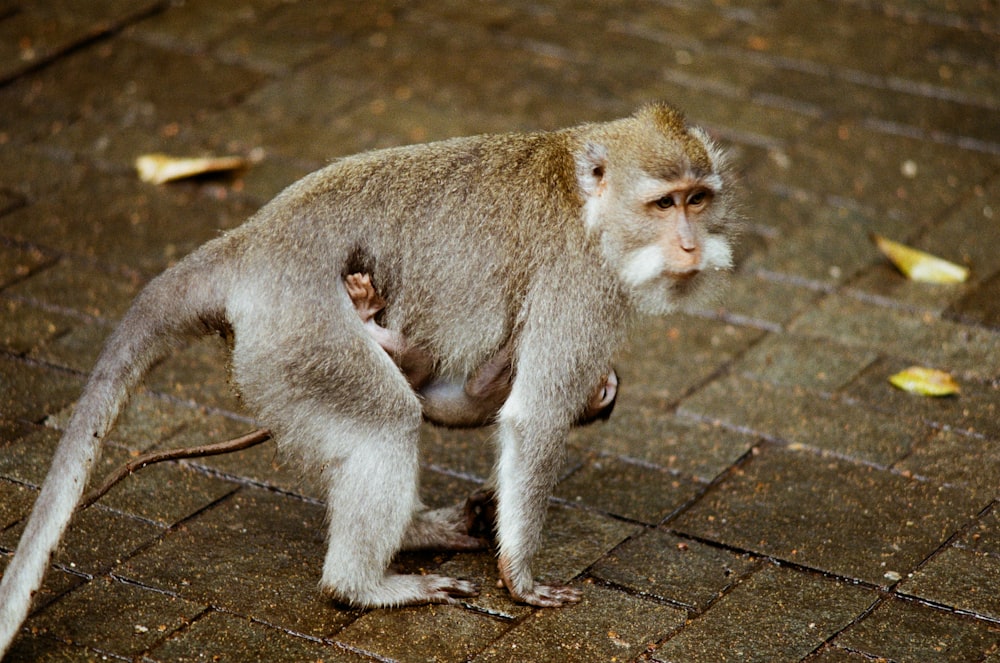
662, 216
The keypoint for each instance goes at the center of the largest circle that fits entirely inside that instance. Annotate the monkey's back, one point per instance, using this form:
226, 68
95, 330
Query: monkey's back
507, 205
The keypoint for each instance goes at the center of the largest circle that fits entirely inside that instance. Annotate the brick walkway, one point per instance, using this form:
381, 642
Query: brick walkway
761, 492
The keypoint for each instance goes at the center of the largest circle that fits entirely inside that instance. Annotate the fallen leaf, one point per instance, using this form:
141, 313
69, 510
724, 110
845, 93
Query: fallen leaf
925, 382
161, 168
917, 265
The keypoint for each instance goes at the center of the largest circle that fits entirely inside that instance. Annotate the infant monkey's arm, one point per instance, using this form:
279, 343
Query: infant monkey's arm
477, 401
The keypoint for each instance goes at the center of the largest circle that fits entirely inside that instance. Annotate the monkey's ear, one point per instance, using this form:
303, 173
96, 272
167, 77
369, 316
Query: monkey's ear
591, 162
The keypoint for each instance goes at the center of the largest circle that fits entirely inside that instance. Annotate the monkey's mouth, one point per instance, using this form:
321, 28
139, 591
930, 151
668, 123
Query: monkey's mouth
684, 277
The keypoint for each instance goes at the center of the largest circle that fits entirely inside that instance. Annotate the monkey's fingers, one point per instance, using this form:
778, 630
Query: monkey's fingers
443, 589
550, 596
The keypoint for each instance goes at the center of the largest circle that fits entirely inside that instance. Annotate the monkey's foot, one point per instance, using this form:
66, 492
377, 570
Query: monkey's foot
481, 513
398, 590
366, 301
441, 529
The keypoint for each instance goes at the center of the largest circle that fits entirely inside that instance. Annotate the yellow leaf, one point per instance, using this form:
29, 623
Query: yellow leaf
919, 266
925, 382
160, 168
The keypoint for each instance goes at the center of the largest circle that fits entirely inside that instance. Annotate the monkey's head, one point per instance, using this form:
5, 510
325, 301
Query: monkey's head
657, 196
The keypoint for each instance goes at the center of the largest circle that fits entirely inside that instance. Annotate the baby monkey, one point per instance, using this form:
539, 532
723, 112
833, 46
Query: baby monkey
459, 404
516, 261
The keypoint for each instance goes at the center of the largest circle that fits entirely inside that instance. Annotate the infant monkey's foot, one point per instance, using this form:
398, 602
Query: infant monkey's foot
363, 296
481, 514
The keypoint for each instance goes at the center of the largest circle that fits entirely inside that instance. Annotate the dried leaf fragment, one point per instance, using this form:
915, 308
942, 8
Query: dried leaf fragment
160, 168
917, 265
925, 382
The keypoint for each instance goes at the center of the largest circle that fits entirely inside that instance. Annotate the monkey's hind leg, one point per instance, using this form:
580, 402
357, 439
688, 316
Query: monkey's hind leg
373, 512
344, 408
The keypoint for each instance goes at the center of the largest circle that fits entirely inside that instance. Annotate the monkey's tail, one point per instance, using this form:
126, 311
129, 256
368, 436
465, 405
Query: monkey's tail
182, 303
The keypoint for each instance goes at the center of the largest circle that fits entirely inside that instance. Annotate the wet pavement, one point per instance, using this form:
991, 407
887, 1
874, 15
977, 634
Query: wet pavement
762, 493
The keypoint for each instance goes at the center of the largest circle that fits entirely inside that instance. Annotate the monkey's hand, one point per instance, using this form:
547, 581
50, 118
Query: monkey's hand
532, 593
548, 596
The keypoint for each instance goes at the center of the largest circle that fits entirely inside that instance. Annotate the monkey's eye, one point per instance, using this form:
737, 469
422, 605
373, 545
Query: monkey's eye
697, 198
666, 202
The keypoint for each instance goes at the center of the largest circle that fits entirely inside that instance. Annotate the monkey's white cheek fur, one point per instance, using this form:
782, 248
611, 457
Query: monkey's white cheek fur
643, 265
716, 254
593, 209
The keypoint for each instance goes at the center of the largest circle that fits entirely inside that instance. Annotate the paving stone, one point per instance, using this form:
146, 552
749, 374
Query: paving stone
17, 263
199, 374
984, 536
30, 392
651, 436
831, 654
468, 453
257, 554
827, 165
966, 579
436, 633
179, 219
777, 614
908, 631
628, 489
973, 411
77, 286
87, 547
293, 34
121, 83
144, 423
35, 34
130, 620
791, 360
849, 520
24, 327
17, 500
765, 303
866, 42
814, 241
222, 637
605, 625
663, 565
573, 540
805, 419
49, 650
964, 236
978, 304
197, 25
26, 458
165, 493
694, 349
923, 338
261, 465
949, 457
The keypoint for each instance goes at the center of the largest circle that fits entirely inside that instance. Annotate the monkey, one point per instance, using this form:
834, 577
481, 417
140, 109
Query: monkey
459, 405
553, 243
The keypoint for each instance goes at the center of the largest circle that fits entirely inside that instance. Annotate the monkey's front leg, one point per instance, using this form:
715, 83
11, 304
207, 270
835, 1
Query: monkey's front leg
530, 456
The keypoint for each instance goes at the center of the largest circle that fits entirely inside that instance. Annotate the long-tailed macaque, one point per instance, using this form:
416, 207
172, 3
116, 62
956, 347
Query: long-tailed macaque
472, 402
546, 243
